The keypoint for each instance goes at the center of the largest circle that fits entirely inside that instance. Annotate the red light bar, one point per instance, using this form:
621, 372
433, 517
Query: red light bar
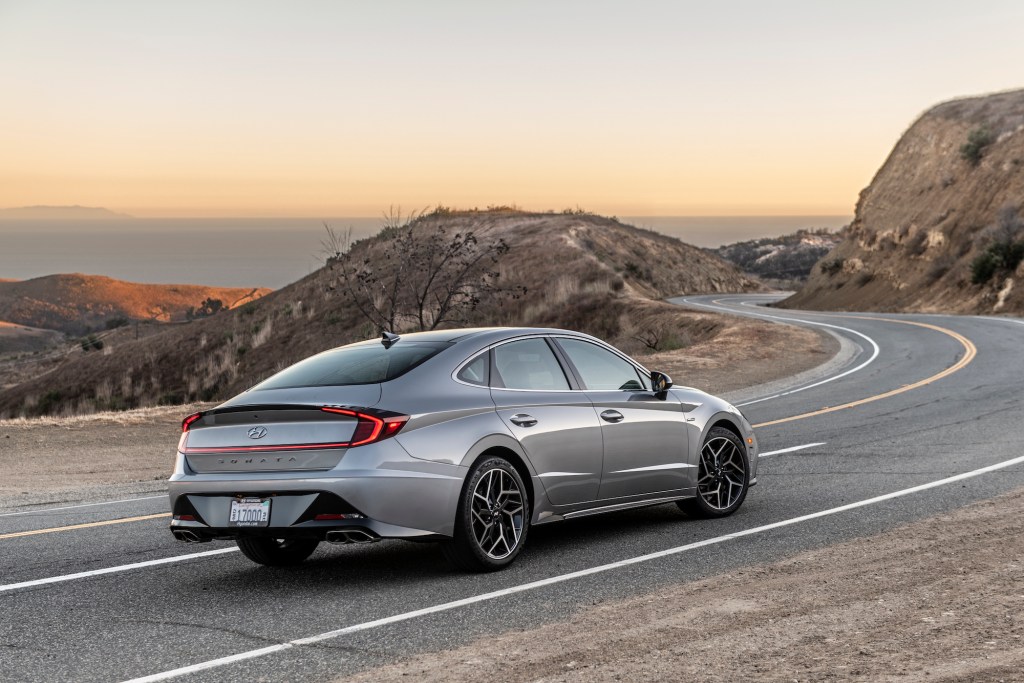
370, 428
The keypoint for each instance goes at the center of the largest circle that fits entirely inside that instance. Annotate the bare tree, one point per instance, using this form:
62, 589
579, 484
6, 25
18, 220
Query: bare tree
420, 275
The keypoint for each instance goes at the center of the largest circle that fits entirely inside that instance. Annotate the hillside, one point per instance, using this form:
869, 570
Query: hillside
78, 213
940, 227
783, 260
580, 271
21, 339
78, 303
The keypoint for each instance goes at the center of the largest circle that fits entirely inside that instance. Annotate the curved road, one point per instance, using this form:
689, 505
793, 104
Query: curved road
923, 416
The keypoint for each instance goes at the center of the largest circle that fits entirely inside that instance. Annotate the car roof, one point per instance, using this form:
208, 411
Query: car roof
484, 334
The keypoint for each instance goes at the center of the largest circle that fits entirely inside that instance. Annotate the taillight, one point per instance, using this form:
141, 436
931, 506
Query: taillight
185, 424
370, 428
189, 420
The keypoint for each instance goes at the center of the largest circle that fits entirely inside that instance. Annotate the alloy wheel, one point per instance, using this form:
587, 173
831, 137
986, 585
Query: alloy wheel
722, 475
498, 513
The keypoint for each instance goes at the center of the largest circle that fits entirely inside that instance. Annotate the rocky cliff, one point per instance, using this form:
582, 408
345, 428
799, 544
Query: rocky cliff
940, 227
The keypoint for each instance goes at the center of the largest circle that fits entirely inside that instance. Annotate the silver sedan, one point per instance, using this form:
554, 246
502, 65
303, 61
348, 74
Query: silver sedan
468, 437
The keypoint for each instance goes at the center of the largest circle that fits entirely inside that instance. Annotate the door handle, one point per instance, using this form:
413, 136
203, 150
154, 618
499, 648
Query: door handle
611, 416
523, 420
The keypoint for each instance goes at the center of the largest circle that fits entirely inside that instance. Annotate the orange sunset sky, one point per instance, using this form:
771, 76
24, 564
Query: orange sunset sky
343, 108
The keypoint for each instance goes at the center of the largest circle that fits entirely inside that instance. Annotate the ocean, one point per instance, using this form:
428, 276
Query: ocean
268, 252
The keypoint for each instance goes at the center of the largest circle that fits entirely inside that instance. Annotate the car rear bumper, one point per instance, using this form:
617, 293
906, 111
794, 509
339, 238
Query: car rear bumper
399, 498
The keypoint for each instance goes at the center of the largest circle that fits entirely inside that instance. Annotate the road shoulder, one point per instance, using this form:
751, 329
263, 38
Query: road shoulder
939, 599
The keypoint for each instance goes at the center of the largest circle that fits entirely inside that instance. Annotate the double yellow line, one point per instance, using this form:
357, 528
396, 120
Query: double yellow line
970, 352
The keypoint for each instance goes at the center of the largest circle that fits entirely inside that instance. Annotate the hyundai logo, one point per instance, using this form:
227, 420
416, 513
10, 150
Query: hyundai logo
257, 432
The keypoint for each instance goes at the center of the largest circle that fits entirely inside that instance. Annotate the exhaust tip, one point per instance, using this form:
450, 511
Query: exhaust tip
345, 536
187, 536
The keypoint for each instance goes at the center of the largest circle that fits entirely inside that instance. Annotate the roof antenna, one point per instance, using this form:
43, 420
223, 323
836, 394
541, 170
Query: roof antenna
387, 339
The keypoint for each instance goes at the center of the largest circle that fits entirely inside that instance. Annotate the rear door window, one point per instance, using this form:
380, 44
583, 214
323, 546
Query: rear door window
529, 364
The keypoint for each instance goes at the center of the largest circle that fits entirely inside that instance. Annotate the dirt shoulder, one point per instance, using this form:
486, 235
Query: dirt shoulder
68, 459
938, 600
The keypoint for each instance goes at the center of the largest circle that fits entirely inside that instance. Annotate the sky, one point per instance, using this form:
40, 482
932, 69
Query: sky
343, 108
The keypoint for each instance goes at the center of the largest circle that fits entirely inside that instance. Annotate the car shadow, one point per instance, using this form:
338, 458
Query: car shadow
562, 546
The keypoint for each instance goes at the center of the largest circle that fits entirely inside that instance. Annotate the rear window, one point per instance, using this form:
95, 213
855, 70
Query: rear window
363, 364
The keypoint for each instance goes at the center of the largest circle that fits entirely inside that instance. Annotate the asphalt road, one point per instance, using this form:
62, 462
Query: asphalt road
930, 401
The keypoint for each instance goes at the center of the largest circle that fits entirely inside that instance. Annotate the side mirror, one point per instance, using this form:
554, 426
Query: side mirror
660, 383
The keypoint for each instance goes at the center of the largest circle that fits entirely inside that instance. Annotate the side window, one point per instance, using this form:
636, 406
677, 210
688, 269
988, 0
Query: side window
600, 369
475, 371
529, 364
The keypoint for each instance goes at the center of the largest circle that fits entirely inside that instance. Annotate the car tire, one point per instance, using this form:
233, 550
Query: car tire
492, 518
723, 476
276, 552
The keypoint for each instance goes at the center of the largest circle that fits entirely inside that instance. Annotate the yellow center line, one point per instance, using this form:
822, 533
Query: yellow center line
970, 352
18, 534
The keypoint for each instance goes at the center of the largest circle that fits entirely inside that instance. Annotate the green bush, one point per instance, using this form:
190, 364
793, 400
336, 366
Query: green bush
977, 141
998, 257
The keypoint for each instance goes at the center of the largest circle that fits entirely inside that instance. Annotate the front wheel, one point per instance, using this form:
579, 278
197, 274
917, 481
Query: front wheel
277, 552
492, 518
723, 476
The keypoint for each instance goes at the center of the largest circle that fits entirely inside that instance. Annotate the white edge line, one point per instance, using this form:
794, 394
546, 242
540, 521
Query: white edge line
444, 607
83, 505
791, 450
113, 570
869, 361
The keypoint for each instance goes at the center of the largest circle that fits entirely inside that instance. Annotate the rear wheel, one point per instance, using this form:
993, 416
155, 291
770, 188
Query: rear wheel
277, 552
492, 519
723, 476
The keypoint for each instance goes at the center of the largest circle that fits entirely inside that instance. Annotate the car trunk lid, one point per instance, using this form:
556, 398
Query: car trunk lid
275, 437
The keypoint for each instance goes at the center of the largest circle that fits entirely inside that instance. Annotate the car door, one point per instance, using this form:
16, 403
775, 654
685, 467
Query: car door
645, 437
555, 424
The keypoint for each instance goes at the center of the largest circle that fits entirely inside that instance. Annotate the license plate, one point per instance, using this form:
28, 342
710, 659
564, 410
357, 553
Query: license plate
249, 512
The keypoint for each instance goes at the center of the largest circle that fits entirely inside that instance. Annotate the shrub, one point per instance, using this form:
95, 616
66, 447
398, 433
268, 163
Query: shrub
49, 402
114, 323
977, 141
91, 342
831, 266
999, 256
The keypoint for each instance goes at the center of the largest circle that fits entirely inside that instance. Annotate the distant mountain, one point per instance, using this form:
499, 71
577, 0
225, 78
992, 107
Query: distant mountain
77, 213
76, 303
788, 258
941, 226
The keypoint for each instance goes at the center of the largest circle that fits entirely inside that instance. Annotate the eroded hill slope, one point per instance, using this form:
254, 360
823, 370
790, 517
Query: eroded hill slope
940, 227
